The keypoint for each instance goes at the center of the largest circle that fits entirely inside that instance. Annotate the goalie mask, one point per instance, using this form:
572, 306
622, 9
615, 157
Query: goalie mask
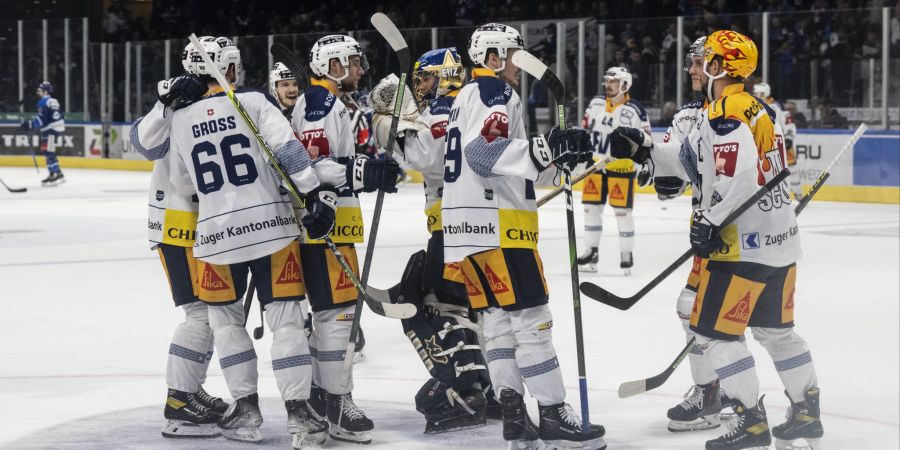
444, 66
338, 47
494, 36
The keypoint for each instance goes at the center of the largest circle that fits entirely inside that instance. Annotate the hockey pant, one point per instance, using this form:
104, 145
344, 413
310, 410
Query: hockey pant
593, 226
48, 147
520, 348
291, 361
736, 367
328, 347
236, 355
190, 350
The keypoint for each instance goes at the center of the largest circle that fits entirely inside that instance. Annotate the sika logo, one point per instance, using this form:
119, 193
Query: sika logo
741, 312
290, 273
210, 112
497, 285
211, 281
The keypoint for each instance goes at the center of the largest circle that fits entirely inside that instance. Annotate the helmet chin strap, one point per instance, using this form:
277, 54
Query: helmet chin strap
338, 80
709, 83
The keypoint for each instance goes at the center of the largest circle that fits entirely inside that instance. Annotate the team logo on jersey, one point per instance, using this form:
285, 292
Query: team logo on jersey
439, 130
726, 158
750, 241
210, 280
740, 313
316, 143
496, 125
290, 273
433, 349
497, 285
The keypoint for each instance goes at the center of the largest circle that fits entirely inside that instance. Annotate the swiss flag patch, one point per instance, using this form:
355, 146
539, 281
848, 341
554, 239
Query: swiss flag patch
439, 130
496, 125
726, 158
316, 143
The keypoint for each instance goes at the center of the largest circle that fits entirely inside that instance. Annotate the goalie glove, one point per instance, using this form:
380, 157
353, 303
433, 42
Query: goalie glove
368, 175
705, 238
630, 143
562, 148
321, 207
180, 91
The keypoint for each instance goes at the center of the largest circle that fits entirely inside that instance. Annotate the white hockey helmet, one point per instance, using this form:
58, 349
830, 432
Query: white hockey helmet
619, 73
494, 36
762, 90
335, 46
223, 54
279, 72
186, 60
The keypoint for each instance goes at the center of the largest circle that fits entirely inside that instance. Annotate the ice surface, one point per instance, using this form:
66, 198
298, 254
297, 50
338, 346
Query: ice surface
87, 321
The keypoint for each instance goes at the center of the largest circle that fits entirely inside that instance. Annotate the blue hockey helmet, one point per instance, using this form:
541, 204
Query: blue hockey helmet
442, 63
46, 87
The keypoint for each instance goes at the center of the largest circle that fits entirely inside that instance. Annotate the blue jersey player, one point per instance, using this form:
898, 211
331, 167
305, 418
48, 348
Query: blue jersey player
50, 121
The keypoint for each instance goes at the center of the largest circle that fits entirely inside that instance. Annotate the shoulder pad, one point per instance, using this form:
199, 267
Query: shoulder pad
696, 104
493, 91
441, 105
319, 102
642, 113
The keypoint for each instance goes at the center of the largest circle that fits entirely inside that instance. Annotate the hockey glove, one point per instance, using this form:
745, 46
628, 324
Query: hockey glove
321, 205
563, 148
630, 143
705, 238
368, 175
26, 125
669, 187
180, 91
645, 174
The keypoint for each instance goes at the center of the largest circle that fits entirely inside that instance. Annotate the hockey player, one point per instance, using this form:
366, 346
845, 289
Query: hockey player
750, 277
615, 182
283, 86
489, 218
321, 120
245, 223
784, 118
172, 223
442, 332
51, 123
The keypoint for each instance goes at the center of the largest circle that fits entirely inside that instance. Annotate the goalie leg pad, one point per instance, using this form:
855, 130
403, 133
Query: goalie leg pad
328, 348
291, 361
236, 355
447, 409
189, 350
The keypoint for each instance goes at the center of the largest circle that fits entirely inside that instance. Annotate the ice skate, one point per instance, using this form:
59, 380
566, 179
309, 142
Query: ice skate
626, 262
751, 431
54, 179
242, 420
587, 262
803, 424
347, 422
467, 411
216, 404
188, 418
304, 424
494, 410
699, 410
560, 429
518, 429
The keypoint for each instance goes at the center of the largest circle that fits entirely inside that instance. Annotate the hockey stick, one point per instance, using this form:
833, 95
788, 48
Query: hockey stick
603, 296
248, 299
578, 178
287, 181
293, 63
630, 388
258, 331
534, 67
285, 56
17, 190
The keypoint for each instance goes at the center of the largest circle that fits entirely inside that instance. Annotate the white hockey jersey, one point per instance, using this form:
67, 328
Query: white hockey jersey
244, 212
784, 118
665, 154
602, 117
489, 176
737, 147
172, 215
322, 122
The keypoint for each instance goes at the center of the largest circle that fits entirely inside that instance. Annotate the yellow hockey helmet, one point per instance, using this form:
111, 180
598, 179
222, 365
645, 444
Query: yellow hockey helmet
738, 52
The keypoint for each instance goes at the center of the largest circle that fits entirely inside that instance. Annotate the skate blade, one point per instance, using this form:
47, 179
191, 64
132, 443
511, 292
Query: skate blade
305, 440
588, 269
457, 428
358, 356
626, 272
524, 445
353, 437
703, 423
562, 444
177, 429
798, 444
243, 434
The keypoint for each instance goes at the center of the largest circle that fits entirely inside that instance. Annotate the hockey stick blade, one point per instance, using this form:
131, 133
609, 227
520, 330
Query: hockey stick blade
17, 190
284, 55
389, 32
534, 67
601, 295
632, 388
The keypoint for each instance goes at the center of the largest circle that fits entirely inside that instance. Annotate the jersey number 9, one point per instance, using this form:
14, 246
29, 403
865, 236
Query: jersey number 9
453, 156
214, 181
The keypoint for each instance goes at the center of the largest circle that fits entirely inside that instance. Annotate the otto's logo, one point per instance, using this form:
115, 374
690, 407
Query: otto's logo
316, 143
439, 130
726, 158
496, 125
